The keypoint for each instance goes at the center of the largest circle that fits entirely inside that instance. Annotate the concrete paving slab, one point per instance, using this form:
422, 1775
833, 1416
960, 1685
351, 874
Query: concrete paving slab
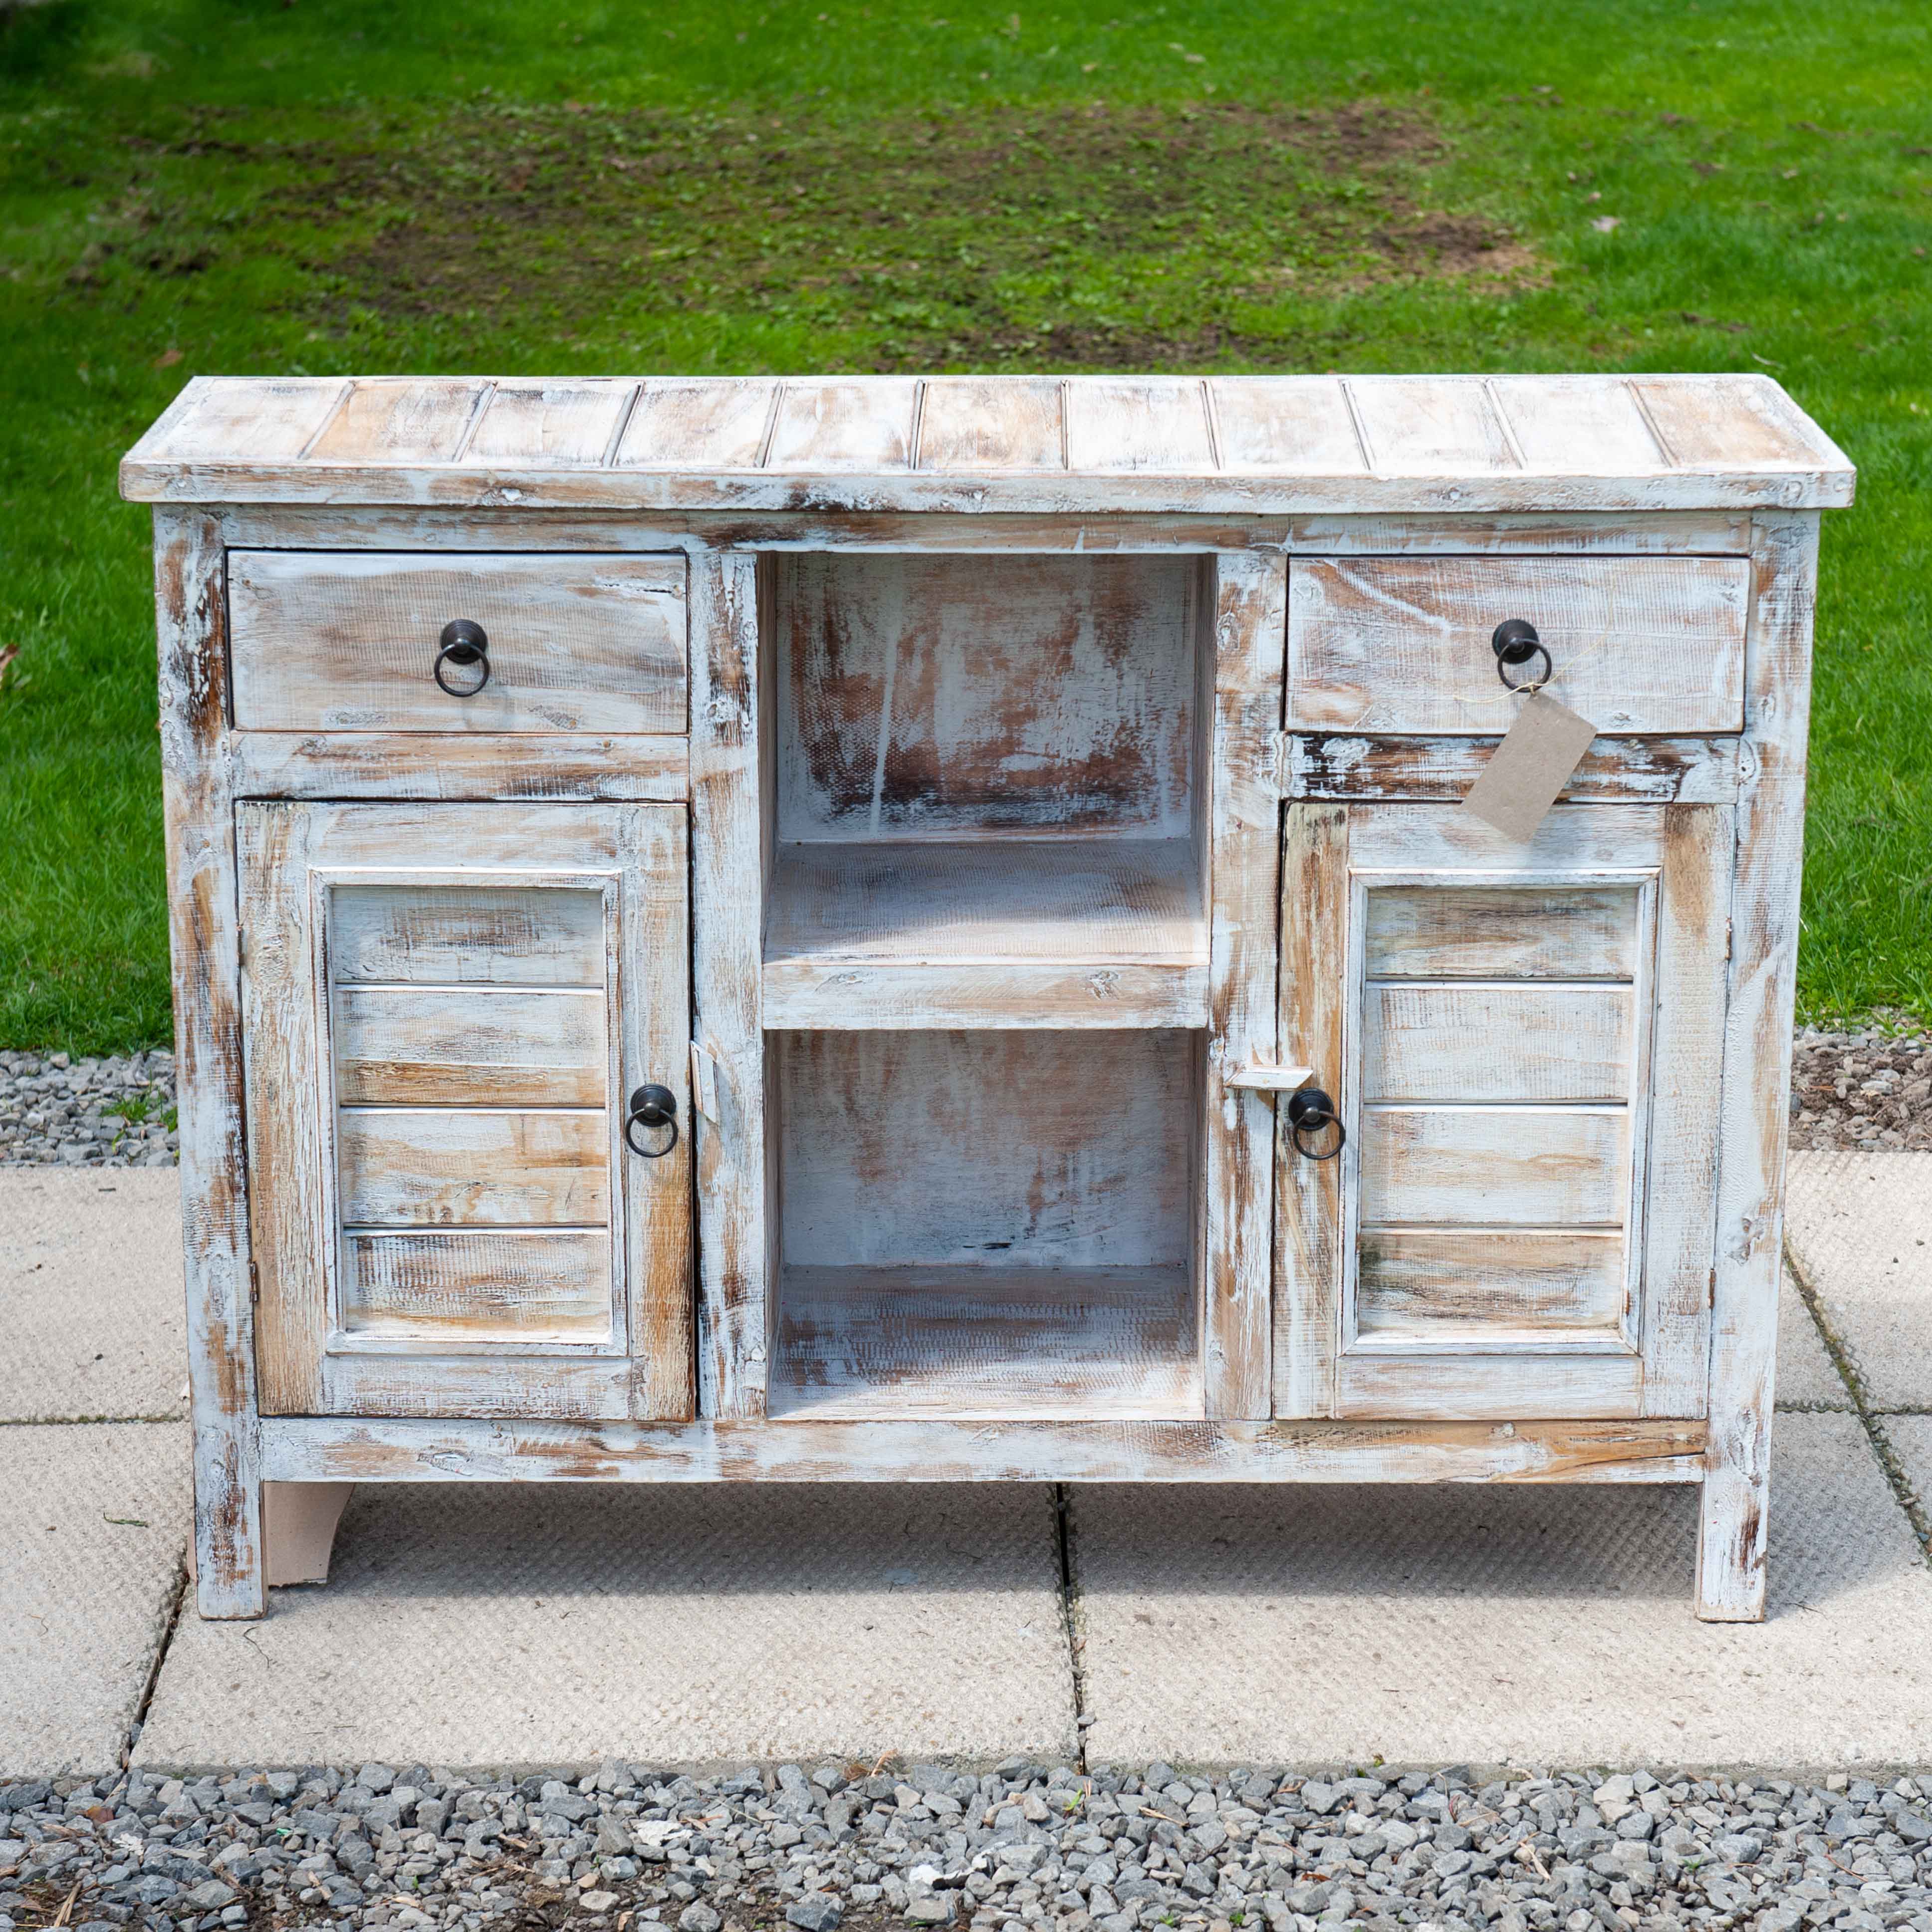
487, 1626
91, 1280
94, 1522
1859, 1228
1505, 1624
1807, 1378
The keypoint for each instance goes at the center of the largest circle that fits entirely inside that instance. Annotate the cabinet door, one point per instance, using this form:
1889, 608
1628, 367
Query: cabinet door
1524, 1043
445, 1007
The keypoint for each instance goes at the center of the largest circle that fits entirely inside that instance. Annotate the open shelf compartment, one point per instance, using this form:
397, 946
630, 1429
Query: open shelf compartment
986, 1224
985, 791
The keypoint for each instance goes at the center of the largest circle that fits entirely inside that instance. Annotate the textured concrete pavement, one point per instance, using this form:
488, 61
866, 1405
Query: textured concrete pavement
535, 1625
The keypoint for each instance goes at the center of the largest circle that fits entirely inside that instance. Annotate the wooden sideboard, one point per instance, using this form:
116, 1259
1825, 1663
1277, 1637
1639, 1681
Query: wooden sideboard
925, 929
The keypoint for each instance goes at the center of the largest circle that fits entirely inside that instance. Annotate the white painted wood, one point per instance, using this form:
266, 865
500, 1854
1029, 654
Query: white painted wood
1507, 1165
479, 1285
1050, 1344
992, 422
491, 932
1614, 771
1449, 932
571, 423
837, 425
379, 1450
347, 642
1138, 422
1259, 1079
923, 696
416, 1046
406, 1167
1576, 423
191, 604
1430, 426
1439, 1285
1021, 994
1396, 645
1048, 1150
1540, 1042
399, 420
1241, 825
699, 423
1762, 977
1268, 423
458, 766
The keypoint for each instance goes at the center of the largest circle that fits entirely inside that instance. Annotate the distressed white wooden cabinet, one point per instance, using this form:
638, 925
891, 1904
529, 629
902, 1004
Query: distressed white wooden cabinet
745, 929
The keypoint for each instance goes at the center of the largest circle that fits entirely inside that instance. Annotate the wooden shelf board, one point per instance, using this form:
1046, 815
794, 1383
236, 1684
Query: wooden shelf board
1112, 1344
995, 931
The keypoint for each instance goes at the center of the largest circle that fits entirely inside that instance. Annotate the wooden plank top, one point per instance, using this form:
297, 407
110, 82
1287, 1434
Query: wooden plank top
1223, 445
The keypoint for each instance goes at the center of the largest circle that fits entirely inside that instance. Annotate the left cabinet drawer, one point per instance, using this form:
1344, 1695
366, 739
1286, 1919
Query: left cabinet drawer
353, 641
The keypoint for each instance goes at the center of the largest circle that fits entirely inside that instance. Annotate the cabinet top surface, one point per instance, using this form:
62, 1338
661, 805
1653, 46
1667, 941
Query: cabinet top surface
1035, 445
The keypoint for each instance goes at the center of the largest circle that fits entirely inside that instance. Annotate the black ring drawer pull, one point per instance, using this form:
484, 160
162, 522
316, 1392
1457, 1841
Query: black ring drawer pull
1310, 1111
1515, 642
463, 643
652, 1106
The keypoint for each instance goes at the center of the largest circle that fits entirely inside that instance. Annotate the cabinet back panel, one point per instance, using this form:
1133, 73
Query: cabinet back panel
939, 695
1008, 1149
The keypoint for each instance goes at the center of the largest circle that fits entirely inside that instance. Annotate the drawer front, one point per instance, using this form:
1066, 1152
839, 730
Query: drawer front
344, 641
1388, 646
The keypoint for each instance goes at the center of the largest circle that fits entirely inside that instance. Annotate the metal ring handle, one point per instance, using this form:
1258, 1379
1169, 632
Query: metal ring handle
1309, 1111
652, 1106
1515, 642
462, 643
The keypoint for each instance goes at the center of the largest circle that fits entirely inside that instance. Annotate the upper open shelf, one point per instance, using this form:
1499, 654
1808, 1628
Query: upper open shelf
985, 791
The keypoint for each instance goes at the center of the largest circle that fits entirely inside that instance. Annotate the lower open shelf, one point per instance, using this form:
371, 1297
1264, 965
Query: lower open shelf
882, 1344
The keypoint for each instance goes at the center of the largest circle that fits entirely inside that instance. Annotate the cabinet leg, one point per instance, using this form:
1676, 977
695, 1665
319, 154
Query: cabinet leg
1732, 1518
298, 1524
226, 1559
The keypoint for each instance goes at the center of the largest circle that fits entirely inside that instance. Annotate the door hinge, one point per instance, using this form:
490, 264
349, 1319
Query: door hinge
1730, 925
254, 1285
704, 1082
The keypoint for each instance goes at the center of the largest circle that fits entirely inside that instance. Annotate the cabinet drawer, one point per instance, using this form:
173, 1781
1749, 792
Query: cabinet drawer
341, 641
1392, 646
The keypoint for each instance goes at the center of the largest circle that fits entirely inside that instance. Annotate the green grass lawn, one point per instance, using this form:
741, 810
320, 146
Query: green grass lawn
322, 186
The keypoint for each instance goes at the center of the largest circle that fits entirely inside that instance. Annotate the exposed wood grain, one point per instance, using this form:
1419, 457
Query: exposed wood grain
1764, 916
377, 1451
1243, 824
444, 1047
990, 422
1686, 1079
1138, 422
1308, 1233
1532, 1043
347, 641
1518, 1166
1391, 645
458, 765
1614, 771
1269, 424
1061, 1150
567, 423
1730, 422
491, 933
407, 1167
273, 418
399, 420
1623, 842
699, 423
923, 695
1576, 423
1440, 1284
477, 1284
1488, 932
1430, 426
729, 863
190, 606
823, 424
1053, 1344
572, 1385
1460, 1387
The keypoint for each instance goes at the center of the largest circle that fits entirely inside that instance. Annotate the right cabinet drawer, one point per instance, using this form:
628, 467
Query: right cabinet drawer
1395, 646
345, 641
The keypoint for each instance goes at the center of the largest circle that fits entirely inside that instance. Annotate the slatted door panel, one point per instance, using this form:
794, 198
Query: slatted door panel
446, 1006
1523, 1040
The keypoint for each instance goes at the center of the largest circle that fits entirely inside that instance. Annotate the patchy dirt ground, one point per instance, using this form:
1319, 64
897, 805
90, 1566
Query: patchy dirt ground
1091, 235
1871, 1089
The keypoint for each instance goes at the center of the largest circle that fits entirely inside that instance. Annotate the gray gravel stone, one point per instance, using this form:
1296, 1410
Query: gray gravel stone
114, 1111
1024, 1849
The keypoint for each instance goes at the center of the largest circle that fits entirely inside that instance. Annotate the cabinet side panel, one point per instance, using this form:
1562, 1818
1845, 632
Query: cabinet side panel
728, 891
191, 622
1250, 619
1757, 1070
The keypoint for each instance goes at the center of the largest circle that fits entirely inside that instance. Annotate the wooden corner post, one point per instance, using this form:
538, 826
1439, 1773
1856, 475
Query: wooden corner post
1732, 1524
190, 606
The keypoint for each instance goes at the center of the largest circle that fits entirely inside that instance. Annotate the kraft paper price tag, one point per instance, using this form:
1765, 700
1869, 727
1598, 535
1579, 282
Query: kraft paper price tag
1518, 786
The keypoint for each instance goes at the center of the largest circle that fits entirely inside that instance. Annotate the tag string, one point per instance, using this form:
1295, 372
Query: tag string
1535, 685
